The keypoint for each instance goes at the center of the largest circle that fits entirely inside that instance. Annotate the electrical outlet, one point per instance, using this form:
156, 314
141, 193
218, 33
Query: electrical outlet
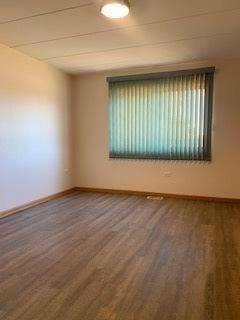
167, 174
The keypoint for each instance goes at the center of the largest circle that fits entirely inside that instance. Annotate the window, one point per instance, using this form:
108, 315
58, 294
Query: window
161, 115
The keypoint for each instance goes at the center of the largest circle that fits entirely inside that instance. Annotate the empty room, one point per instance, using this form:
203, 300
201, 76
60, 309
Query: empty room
119, 160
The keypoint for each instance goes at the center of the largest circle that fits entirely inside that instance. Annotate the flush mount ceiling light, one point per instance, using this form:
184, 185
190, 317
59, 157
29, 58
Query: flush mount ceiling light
115, 9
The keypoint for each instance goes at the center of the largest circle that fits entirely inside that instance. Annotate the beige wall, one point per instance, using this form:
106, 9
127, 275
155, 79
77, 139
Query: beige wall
219, 178
35, 129
36, 136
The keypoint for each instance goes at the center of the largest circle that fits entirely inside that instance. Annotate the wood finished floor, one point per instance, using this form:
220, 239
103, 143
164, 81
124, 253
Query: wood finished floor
96, 256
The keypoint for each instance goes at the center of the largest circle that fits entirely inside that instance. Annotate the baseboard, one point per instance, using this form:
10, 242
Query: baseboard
157, 194
36, 202
113, 191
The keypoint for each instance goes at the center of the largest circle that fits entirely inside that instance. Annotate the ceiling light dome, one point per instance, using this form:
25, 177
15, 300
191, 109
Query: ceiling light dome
115, 9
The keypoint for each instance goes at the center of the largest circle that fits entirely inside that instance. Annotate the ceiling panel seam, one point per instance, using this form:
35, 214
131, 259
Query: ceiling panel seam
123, 28
48, 13
140, 46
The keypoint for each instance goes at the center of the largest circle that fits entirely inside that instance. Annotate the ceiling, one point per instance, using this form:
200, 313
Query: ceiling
73, 36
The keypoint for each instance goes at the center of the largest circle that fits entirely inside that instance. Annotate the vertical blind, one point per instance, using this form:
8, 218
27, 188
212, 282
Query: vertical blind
161, 116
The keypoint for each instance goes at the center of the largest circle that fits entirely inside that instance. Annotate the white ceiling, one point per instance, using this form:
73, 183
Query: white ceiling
75, 37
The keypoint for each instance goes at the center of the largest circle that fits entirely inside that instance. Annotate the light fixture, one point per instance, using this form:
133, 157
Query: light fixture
115, 9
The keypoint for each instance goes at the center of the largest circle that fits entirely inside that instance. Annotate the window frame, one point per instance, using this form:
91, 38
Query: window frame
208, 107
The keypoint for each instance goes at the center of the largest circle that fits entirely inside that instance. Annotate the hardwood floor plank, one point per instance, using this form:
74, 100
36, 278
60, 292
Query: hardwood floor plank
94, 256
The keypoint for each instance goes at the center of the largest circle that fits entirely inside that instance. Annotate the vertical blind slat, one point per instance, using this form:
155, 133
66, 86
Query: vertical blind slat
167, 118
